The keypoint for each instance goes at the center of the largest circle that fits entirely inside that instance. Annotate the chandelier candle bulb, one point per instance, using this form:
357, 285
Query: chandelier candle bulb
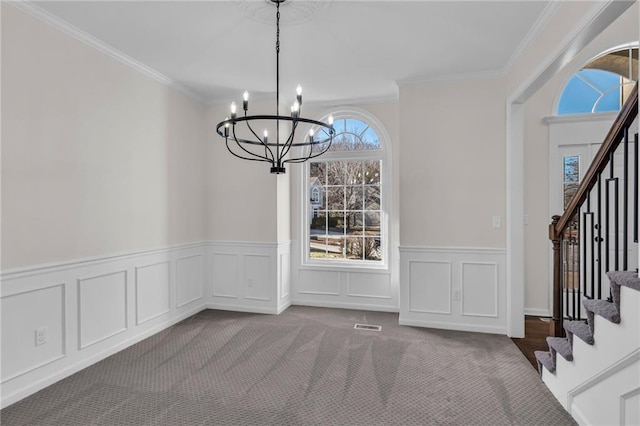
310, 135
233, 110
299, 94
266, 136
330, 120
245, 101
295, 109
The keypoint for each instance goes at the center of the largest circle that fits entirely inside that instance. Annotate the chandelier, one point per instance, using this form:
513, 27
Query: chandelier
244, 142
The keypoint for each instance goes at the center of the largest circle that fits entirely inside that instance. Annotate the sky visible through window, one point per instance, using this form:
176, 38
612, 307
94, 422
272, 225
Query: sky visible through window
591, 90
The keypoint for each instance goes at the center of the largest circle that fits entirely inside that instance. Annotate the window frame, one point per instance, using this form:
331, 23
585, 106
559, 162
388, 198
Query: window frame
380, 154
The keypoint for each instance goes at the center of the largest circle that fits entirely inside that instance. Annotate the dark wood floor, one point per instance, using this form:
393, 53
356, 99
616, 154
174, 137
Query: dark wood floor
535, 332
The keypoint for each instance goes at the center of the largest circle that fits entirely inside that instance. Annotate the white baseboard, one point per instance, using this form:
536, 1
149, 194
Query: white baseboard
343, 305
535, 312
243, 308
453, 326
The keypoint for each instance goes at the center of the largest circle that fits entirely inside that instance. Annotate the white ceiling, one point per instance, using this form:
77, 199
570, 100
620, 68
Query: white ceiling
338, 50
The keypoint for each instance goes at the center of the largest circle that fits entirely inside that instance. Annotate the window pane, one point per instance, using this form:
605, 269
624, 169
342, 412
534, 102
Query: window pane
319, 223
569, 190
354, 223
335, 198
610, 101
372, 222
571, 168
373, 248
317, 173
336, 223
335, 173
371, 172
355, 248
577, 97
372, 198
354, 197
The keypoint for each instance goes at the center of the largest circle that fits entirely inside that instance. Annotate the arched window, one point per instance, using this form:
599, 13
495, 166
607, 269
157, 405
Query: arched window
350, 223
602, 85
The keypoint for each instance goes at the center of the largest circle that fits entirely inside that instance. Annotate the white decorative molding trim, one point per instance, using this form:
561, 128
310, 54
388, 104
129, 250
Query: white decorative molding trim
412, 296
84, 311
23, 272
440, 250
493, 314
92, 316
623, 404
616, 367
536, 29
63, 337
434, 296
580, 118
52, 20
138, 290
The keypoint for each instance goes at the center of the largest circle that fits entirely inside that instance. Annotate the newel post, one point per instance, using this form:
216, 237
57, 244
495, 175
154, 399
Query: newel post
556, 240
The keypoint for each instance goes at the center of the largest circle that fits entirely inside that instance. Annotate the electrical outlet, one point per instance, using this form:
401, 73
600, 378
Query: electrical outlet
497, 222
456, 294
41, 336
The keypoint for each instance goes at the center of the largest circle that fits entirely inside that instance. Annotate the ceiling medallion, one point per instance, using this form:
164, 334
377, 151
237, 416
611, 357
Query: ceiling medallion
295, 12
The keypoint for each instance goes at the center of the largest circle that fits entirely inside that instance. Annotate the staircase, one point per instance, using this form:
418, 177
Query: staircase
593, 362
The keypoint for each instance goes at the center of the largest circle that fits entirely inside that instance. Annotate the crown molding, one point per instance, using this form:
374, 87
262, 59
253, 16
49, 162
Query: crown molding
57, 23
549, 11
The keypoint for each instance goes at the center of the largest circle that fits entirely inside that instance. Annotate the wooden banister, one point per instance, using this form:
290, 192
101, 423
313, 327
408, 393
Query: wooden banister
624, 119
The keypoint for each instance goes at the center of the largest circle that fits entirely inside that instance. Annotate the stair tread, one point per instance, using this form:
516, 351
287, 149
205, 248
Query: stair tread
562, 346
580, 329
625, 278
545, 359
605, 309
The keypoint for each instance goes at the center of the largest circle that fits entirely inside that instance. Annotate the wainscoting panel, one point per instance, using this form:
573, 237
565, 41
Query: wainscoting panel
225, 275
377, 286
152, 291
247, 276
190, 273
46, 310
89, 309
257, 283
480, 289
430, 287
102, 307
319, 282
453, 288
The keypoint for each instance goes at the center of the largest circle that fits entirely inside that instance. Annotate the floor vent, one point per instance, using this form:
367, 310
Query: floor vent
368, 327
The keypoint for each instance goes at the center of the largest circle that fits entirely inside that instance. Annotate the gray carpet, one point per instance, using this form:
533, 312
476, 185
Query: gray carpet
305, 366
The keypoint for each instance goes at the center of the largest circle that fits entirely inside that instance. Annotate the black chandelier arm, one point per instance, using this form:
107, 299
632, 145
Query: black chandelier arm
310, 156
266, 147
324, 126
289, 142
255, 158
238, 142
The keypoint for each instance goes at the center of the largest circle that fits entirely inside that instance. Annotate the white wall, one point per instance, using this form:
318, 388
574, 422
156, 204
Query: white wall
103, 213
97, 158
452, 156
